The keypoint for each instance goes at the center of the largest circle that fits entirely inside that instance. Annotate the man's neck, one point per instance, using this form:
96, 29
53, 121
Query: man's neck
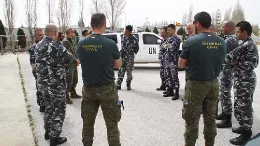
68, 37
97, 31
204, 30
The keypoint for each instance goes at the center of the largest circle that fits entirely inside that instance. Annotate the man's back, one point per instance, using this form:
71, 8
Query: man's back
206, 53
97, 55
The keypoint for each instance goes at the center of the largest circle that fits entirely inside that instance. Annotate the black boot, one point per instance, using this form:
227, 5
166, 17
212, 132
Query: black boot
168, 93
42, 109
46, 135
237, 130
58, 141
118, 86
162, 87
176, 95
221, 116
128, 85
243, 138
226, 123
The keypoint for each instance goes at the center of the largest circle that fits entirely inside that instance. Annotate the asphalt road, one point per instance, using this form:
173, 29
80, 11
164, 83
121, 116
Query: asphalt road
148, 119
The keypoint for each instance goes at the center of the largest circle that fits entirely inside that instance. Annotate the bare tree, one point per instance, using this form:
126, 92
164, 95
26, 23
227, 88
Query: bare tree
184, 19
31, 13
218, 21
98, 5
238, 13
50, 6
81, 21
227, 15
255, 29
9, 17
190, 14
63, 14
115, 9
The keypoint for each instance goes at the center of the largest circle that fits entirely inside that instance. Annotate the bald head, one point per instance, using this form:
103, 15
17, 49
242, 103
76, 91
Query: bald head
228, 27
190, 28
51, 30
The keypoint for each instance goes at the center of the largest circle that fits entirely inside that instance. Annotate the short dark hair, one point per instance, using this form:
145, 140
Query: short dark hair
98, 20
84, 31
245, 26
203, 18
165, 28
172, 26
129, 28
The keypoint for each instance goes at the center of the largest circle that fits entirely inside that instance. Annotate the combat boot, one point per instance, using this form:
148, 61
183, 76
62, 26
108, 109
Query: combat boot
68, 99
237, 130
243, 138
221, 116
226, 123
58, 141
162, 87
74, 94
46, 135
128, 85
168, 93
176, 95
42, 109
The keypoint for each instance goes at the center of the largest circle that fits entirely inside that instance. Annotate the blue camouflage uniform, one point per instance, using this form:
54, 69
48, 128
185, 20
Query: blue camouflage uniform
161, 57
172, 46
32, 62
129, 47
243, 60
226, 77
51, 78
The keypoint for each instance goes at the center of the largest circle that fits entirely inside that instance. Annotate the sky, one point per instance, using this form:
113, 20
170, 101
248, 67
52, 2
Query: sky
138, 11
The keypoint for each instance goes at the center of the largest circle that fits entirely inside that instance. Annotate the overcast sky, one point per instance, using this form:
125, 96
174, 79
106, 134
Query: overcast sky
136, 11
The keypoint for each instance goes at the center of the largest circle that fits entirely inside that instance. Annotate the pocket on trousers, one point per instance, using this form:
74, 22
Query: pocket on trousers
118, 112
187, 110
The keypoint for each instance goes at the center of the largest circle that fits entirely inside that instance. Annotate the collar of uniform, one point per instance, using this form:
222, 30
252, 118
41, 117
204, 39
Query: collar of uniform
49, 38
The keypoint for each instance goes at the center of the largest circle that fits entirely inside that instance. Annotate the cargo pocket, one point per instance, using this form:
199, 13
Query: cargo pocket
187, 110
118, 112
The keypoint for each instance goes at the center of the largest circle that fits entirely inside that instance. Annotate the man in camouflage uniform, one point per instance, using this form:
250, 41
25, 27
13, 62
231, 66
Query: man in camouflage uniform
129, 47
51, 79
161, 57
38, 37
172, 46
71, 70
243, 60
228, 29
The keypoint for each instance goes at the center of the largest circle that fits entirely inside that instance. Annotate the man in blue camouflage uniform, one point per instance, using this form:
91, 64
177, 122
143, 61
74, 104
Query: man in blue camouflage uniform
51, 79
243, 60
38, 37
228, 29
129, 47
161, 57
172, 46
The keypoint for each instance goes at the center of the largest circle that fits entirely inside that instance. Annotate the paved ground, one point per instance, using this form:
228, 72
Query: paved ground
14, 123
148, 118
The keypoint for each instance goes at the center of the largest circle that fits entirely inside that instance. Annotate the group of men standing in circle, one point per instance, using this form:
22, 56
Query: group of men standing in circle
203, 68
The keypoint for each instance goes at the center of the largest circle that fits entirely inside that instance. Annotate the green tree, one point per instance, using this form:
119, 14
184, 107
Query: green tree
181, 31
155, 30
21, 38
147, 29
2, 32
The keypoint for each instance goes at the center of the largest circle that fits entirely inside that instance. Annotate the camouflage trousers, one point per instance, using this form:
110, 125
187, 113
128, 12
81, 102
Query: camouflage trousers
71, 78
162, 71
40, 101
225, 92
244, 91
105, 96
200, 96
55, 108
127, 66
171, 71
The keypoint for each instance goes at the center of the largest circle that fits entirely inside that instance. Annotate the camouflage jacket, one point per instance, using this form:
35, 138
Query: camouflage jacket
32, 55
129, 45
172, 46
50, 58
162, 51
70, 46
231, 41
244, 60
187, 36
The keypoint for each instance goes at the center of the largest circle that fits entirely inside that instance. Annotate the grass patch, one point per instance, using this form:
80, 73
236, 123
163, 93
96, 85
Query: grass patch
28, 106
